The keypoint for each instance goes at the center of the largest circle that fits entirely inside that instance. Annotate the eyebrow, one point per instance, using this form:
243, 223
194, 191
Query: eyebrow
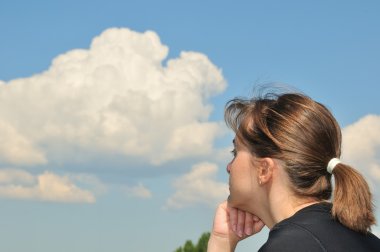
234, 142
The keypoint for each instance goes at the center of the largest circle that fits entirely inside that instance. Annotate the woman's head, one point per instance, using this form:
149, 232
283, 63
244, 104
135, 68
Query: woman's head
294, 129
304, 136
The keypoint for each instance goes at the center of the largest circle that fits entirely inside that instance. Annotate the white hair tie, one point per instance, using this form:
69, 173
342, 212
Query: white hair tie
332, 163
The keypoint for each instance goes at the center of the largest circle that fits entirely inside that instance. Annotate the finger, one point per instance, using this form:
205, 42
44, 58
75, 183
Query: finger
257, 226
255, 218
248, 225
233, 218
240, 223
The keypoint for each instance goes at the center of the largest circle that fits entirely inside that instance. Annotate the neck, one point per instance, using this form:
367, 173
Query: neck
284, 208
277, 199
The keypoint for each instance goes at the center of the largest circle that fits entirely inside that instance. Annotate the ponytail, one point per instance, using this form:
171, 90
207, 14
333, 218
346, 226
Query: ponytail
352, 199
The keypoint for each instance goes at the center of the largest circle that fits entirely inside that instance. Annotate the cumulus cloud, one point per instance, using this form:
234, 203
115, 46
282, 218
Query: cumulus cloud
223, 155
89, 181
138, 191
9, 176
118, 96
16, 148
198, 187
361, 147
19, 184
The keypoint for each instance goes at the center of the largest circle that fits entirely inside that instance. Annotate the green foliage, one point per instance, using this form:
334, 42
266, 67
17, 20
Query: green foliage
202, 242
188, 247
201, 246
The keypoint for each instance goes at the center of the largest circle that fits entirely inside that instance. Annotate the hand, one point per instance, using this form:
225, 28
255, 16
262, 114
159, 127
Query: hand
244, 224
233, 225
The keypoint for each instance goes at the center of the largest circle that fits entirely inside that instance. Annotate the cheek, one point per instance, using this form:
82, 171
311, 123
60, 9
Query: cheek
240, 187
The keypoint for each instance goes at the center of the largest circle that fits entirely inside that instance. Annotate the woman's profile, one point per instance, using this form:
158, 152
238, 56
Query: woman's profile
286, 152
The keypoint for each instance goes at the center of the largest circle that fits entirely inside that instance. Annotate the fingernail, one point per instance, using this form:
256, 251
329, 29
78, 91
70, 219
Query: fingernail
248, 231
240, 233
234, 228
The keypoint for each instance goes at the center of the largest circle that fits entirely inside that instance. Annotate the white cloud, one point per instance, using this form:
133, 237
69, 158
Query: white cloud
90, 182
9, 176
223, 155
138, 191
198, 187
16, 148
361, 148
18, 184
117, 96
362, 138
193, 138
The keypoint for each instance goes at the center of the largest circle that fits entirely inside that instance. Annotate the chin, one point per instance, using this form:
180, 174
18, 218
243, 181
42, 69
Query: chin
231, 200
239, 202
235, 202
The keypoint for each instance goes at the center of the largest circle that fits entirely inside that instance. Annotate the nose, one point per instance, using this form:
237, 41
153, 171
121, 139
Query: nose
229, 167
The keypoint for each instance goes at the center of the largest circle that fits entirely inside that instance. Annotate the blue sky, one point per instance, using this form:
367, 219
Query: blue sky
111, 112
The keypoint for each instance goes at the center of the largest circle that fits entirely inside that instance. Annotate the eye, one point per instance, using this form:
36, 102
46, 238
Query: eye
234, 152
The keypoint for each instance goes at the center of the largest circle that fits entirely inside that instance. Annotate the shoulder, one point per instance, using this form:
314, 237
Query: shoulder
313, 229
292, 237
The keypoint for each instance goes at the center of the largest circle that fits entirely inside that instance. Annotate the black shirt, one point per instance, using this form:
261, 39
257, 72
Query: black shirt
313, 229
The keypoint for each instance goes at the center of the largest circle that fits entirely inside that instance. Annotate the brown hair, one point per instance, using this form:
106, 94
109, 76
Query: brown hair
303, 134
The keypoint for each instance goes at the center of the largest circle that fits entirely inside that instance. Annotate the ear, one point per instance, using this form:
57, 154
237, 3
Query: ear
265, 171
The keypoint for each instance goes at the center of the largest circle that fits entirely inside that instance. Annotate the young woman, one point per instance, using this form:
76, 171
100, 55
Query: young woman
286, 150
